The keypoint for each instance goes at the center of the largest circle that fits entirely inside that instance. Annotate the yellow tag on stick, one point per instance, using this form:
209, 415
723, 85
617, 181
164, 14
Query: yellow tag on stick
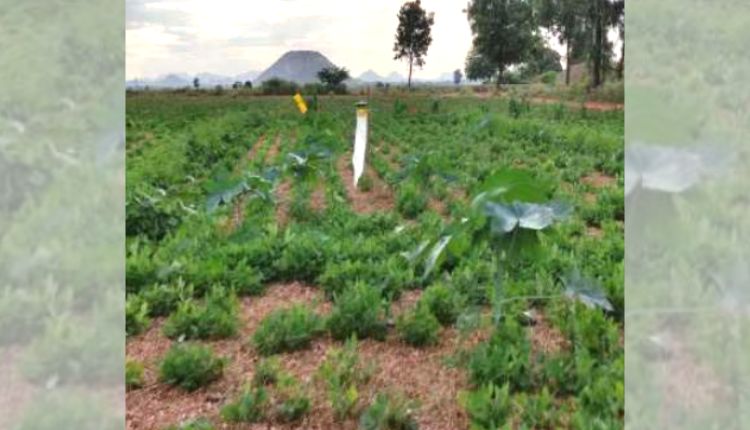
301, 105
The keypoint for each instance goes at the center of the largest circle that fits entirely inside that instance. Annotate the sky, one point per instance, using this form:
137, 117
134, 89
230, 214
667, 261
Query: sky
230, 37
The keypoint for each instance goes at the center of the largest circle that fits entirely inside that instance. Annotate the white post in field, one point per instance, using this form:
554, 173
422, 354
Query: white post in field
360, 142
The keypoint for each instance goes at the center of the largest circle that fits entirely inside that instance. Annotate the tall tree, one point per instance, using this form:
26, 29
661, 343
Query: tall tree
457, 76
196, 83
566, 20
602, 15
333, 77
479, 67
504, 32
413, 34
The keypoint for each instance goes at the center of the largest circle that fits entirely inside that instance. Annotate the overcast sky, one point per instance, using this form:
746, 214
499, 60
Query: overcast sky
235, 36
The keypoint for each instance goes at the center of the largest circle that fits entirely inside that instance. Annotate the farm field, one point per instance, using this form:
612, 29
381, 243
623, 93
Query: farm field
473, 279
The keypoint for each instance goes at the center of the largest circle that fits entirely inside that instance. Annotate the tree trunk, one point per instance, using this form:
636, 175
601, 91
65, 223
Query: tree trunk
411, 66
598, 47
568, 63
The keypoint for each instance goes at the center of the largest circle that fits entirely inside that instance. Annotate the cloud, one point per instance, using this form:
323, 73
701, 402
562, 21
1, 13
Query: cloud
142, 13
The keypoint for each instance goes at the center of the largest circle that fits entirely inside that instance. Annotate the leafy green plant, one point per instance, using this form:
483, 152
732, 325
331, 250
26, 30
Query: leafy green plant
287, 330
197, 424
163, 299
410, 200
418, 327
365, 183
489, 407
267, 371
303, 255
249, 407
504, 359
537, 410
190, 366
389, 412
217, 318
342, 373
359, 311
136, 315
291, 403
444, 302
133, 374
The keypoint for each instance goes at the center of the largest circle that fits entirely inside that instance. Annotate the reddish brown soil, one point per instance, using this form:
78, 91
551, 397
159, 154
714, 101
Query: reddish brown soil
283, 201
255, 148
379, 198
273, 151
546, 338
318, 198
595, 232
590, 105
599, 180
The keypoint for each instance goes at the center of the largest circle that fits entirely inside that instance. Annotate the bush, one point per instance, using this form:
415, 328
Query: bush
388, 412
489, 407
411, 200
190, 366
287, 330
291, 403
249, 407
504, 359
136, 315
163, 299
279, 87
537, 410
388, 276
133, 374
342, 373
418, 327
445, 303
303, 256
549, 77
358, 311
217, 318
267, 372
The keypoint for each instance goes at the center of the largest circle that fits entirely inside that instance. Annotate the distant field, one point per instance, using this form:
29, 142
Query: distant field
479, 263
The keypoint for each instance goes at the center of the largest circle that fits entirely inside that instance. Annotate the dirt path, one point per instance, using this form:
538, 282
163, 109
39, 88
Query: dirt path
283, 194
273, 151
379, 198
253, 152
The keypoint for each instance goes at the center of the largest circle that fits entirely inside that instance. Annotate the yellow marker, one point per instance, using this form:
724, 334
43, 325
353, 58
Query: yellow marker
301, 105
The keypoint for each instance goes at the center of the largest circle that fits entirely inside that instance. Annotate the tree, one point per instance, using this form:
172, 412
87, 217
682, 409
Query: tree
504, 33
566, 20
413, 34
196, 83
541, 59
479, 67
601, 16
457, 76
248, 85
333, 77
236, 85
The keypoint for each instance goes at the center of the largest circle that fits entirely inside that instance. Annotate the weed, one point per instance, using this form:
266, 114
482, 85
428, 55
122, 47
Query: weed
249, 407
342, 373
133, 374
267, 372
217, 318
389, 412
411, 200
136, 315
190, 366
359, 311
489, 407
444, 302
287, 330
418, 327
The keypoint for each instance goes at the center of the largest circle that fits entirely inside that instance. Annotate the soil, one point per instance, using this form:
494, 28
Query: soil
379, 198
599, 180
318, 198
273, 151
283, 201
546, 338
251, 154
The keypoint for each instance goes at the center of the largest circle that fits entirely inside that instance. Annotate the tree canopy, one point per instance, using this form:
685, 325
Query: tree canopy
333, 77
413, 36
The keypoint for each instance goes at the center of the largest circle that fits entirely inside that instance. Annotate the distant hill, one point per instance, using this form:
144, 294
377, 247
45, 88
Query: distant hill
297, 66
395, 77
181, 80
371, 76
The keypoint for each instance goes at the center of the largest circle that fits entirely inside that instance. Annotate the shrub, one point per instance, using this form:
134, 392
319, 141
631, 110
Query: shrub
133, 374
267, 372
217, 318
504, 359
388, 412
303, 256
287, 330
291, 403
198, 424
549, 77
136, 315
163, 299
489, 407
249, 407
473, 278
389, 276
537, 410
358, 311
342, 373
411, 200
418, 327
279, 87
190, 366
445, 303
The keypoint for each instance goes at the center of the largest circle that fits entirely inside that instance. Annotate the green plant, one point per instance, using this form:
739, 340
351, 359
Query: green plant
444, 302
190, 366
133, 374
418, 327
163, 299
217, 318
410, 200
291, 403
537, 410
136, 315
342, 373
504, 359
489, 407
267, 371
389, 412
249, 407
303, 256
365, 183
359, 311
287, 330
197, 424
